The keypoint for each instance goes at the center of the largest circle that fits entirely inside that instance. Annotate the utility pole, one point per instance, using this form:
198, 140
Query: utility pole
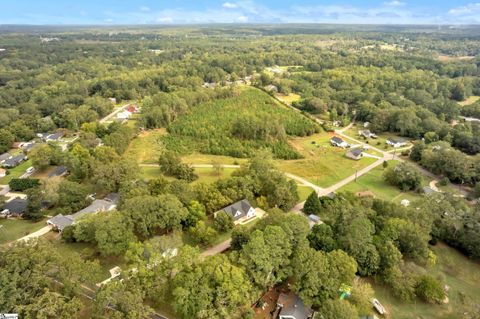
356, 174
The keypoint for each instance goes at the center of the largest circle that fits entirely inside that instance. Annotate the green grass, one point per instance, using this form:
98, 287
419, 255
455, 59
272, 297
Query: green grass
208, 127
461, 274
146, 147
207, 175
13, 229
323, 165
373, 181
380, 142
303, 192
16, 172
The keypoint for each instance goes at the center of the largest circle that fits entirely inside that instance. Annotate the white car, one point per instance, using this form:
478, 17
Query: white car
30, 170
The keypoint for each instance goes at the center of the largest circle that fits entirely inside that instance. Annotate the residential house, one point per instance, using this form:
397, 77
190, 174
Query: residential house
55, 137
132, 108
4, 157
396, 142
290, 306
367, 134
338, 142
15, 207
27, 147
355, 154
58, 172
109, 203
239, 211
14, 161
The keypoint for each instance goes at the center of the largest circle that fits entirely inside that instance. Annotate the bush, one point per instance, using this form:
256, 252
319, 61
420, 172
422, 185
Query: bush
429, 289
444, 181
22, 184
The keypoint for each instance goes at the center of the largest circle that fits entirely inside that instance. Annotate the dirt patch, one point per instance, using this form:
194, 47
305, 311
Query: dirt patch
449, 58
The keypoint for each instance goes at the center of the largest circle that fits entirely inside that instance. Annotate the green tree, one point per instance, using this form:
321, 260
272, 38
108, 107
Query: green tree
321, 238
202, 233
429, 289
223, 222
312, 204
113, 233
338, 309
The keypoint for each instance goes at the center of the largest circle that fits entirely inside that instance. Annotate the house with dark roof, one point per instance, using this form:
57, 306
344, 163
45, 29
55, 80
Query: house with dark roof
338, 142
355, 154
109, 203
47, 137
58, 172
27, 147
396, 142
14, 161
14, 207
239, 211
292, 307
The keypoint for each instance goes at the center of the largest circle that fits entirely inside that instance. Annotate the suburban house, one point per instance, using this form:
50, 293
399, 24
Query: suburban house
55, 137
290, 306
109, 203
58, 171
14, 161
239, 211
355, 154
338, 142
14, 207
396, 142
367, 134
4, 157
27, 147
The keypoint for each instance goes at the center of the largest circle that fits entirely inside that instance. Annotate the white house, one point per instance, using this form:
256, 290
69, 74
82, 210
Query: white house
239, 211
396, 142
338, 142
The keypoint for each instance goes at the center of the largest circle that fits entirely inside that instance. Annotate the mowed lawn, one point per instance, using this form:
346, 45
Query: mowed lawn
16, 172
146, 147
461, 274
323, 165
205, 174
373, 181
13, 229
470, 100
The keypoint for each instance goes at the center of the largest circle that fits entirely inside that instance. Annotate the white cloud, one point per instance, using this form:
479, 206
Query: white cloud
164, 19
394, 3
242, 19
144, 9
469, 9
230, 5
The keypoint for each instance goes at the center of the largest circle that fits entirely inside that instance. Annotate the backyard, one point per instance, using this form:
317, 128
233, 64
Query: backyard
13, 229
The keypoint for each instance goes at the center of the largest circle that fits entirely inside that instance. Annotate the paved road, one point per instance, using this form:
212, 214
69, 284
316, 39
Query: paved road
217, 249
36, 234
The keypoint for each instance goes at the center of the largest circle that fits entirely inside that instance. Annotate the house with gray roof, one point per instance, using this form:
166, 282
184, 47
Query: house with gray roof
292, 307
14, 207
396, 142
109, 203
58, 171
239, 211
14, 161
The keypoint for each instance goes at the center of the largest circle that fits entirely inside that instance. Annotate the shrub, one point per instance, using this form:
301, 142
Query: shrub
22, 184
429, 289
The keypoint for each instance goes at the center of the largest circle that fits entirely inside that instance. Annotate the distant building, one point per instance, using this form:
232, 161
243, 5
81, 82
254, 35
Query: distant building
338, 142
355, 154
367, 134
396, 142
109, 203
290, 306
14, 161
239, 211
4, 157
58, 171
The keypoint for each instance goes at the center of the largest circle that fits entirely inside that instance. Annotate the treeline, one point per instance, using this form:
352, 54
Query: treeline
441, 159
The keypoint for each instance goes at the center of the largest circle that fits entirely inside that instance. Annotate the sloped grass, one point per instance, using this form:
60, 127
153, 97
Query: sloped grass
13, 229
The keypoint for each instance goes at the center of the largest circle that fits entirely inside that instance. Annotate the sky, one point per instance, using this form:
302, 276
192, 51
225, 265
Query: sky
115, 12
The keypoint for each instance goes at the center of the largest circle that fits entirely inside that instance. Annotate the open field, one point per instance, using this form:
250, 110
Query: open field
461, 274
13, 229
288, 99
323, 165
146, 147
198, 158
205, 174
373, 181
470, 100
16, 172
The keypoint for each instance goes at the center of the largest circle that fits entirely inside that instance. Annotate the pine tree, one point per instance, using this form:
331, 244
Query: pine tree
312, 204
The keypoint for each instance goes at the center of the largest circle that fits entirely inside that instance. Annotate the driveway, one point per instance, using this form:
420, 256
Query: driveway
36, 234
217, 248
